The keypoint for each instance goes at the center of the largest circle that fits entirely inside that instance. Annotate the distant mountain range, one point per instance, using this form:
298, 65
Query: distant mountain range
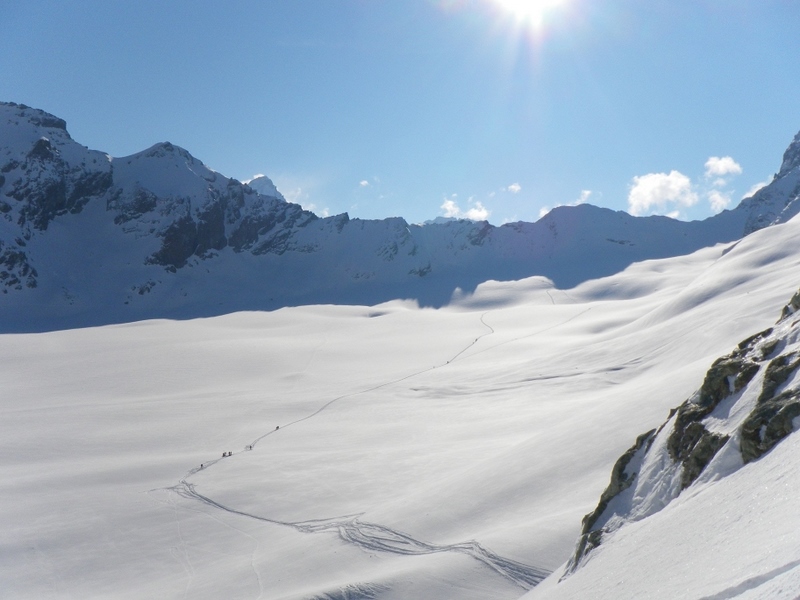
88, 239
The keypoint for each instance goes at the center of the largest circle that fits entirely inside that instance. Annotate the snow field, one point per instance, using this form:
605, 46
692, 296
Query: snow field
507, 440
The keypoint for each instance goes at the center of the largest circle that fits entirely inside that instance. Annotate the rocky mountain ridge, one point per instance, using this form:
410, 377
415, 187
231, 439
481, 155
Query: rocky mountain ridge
86, 238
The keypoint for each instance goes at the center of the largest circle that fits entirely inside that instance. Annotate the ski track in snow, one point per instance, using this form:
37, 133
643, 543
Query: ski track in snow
180, 552
371, 536
529, 335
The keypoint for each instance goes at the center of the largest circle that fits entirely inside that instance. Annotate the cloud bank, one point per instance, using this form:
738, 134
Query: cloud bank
671, 193
660, 193
476, 212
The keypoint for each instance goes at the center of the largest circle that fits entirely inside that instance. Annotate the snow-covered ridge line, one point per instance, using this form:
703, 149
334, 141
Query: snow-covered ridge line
89, 239
748, 403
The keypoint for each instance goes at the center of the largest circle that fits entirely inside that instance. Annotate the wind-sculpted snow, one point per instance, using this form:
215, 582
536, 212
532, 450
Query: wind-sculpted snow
88, 239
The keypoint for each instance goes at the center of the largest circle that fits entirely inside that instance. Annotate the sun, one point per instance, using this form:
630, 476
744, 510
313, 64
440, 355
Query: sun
529, 11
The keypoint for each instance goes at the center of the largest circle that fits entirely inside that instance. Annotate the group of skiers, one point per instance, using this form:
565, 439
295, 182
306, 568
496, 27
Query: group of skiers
229, 453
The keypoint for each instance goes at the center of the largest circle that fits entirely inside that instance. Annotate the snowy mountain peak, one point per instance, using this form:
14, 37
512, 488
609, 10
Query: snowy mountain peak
263, 185
142, 221
34, 116
780, 200
791, 158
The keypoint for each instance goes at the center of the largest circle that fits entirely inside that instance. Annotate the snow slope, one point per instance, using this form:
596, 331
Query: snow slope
431, 453
710, 495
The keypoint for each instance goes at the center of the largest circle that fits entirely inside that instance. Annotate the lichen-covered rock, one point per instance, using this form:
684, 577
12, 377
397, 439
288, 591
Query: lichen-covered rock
700, 446
777, 372
791, 307
689, 442
768, 424
621, 479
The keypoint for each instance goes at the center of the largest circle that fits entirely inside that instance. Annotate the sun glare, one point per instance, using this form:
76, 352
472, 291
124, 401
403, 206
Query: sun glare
529, 11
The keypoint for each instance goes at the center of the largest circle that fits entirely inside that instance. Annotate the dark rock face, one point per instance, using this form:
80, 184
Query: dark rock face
791, 307
42, 150
211, 229
15, 270
768, 424
237, 218
422, 271
478, 237
690, 442
777, 372
37, 117
699, 447
773, 417
51, 187
179, 243
133, 206
621, 480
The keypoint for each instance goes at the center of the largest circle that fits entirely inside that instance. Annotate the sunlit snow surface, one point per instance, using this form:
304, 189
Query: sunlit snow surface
487, 426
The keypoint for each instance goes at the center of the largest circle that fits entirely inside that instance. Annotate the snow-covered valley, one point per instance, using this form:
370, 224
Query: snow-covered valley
429, 453
209, 392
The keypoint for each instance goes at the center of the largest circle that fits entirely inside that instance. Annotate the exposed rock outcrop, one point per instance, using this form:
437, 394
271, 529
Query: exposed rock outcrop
748, 402
621, 479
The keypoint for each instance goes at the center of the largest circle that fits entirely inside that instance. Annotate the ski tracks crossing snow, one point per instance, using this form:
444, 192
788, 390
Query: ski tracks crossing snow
371, 536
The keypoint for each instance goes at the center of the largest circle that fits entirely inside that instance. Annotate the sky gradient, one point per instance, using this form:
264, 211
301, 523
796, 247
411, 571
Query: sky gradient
424, 108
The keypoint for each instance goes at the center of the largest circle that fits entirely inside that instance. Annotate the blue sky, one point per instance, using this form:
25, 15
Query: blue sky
421, 108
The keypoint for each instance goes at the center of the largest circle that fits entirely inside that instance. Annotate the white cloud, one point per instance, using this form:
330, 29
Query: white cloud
320, 212
450, 208
720, 182
299, 195
514, 188
477, 212
720, 167
753, 189
657, 193
718, 200
584, 197
295, 195
363, 183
